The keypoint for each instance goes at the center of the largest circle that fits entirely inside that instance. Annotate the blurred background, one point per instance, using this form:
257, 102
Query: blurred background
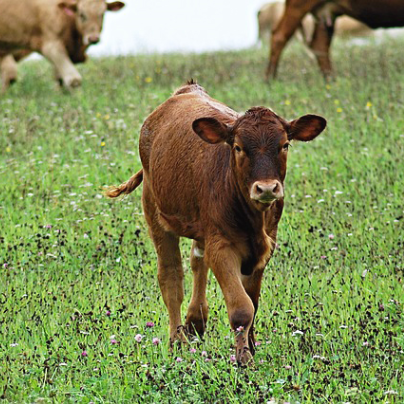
179, 25
161, 26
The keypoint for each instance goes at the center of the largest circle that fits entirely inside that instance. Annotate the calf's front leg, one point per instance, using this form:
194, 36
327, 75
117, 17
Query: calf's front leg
226, 265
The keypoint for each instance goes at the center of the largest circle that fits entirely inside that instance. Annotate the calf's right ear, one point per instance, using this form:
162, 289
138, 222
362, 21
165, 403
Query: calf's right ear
211, 130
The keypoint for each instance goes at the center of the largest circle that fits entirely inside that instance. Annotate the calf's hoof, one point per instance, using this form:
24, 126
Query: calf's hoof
244, 357
195, 326
195, 329
179, 338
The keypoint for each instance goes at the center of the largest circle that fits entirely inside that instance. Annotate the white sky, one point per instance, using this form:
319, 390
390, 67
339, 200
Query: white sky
179, 25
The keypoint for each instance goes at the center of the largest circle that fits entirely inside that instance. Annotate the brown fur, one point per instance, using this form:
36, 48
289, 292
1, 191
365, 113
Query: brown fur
375, 14
215, 176
127, 187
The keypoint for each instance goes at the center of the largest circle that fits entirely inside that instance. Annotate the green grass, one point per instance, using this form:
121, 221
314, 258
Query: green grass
77, 269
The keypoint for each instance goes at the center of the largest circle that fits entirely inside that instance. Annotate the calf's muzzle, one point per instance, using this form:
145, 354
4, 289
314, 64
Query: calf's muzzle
266, 191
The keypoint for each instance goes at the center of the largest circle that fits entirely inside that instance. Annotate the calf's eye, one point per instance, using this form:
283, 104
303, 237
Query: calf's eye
285, 147
237, 148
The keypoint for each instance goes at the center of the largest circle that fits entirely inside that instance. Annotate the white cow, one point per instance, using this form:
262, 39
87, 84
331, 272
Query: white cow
60, 30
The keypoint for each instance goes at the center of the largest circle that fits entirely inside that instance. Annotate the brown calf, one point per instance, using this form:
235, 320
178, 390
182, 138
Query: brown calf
375, 14
215, 176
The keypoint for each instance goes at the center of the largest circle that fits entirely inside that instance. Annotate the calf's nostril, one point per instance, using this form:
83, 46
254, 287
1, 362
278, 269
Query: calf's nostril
258, 189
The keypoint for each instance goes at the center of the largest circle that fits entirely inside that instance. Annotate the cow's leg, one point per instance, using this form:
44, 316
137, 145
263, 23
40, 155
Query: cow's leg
197, 314
170, 273
57, 54
292, 18
252, 285
8, 67
58, 79
226, 266
320, 45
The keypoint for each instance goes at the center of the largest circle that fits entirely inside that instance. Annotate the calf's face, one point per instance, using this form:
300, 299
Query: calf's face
259, 142
89, 16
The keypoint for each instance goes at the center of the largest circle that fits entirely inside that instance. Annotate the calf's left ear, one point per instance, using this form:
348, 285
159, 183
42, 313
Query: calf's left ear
306, 127
115, 6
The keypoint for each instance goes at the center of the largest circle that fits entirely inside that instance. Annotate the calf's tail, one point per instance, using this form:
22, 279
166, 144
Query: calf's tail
127, 187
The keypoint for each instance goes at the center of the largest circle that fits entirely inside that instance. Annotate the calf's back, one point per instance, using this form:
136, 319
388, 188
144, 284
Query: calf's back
181, 169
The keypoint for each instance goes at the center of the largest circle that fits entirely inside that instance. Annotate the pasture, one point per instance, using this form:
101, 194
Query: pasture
81, 315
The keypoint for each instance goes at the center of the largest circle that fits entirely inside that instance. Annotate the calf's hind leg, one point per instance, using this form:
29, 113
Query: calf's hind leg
170, 273
197, 314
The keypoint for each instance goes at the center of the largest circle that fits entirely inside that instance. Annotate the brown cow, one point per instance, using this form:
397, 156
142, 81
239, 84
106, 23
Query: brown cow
41, 26
375, 14
270, 14
215, 176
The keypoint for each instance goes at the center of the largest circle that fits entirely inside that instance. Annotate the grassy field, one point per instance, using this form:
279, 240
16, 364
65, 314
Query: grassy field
81, 316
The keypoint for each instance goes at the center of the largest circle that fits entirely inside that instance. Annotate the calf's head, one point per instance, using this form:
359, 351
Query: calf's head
259, 142
89, 16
